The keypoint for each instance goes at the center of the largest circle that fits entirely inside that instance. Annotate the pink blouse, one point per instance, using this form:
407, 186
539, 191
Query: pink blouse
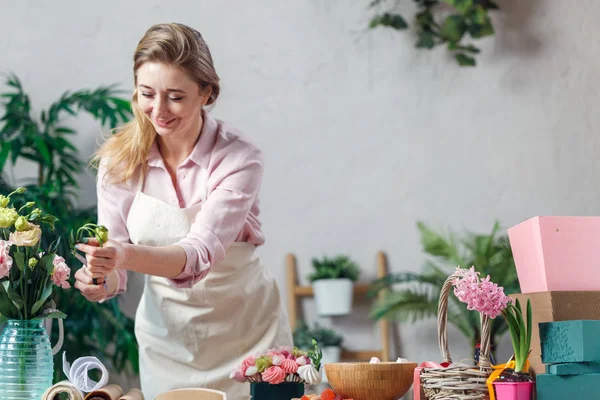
229, 213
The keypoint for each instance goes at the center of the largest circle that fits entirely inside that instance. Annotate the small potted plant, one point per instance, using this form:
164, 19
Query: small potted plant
280, 374
332, 283
516, 383
490, 301
329, 341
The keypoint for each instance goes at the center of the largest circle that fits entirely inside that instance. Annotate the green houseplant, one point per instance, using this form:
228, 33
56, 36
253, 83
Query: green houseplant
329, 341
48, 142
414, 296
332, 282
447, 23
516, 382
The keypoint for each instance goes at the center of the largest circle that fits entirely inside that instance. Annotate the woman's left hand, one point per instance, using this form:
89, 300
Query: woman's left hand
102, 260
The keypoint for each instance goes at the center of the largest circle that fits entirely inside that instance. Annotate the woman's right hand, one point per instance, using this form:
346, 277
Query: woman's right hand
83, 282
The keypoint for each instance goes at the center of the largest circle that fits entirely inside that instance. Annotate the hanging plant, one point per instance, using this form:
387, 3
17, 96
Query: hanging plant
468, 19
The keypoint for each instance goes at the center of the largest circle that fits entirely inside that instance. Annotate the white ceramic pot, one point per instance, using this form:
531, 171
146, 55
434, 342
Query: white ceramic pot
331, 355
333, 296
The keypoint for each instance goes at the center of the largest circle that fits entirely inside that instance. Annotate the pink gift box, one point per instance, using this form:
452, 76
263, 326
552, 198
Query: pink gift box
557, 253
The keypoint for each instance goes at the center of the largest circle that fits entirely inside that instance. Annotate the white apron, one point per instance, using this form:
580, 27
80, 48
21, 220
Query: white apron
194, 338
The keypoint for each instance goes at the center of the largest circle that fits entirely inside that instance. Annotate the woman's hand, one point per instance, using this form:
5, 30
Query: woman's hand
92, 292
101, 261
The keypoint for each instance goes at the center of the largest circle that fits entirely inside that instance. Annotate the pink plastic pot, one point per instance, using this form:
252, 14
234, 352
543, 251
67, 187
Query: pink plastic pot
513, 390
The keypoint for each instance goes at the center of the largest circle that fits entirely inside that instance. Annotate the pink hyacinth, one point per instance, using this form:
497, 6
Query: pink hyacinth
61, 272
6, 260
481, 295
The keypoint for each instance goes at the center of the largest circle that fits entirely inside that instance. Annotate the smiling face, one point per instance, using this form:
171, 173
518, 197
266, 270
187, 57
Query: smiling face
170, 99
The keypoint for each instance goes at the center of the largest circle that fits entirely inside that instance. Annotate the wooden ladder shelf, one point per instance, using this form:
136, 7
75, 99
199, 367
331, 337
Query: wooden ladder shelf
297, 292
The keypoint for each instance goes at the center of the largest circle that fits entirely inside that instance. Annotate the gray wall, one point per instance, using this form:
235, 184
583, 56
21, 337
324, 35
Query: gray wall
363, 134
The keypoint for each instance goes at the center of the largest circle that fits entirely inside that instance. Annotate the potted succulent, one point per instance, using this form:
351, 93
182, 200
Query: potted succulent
332, 283
515, 383
329, 341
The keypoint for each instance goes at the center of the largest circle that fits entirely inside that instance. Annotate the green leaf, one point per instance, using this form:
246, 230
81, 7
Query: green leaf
454, 27
7, 307
461, 5
408, 305
4, 152
45, 294
464, 60
15, 297
389, 20
426, 40
43, 149
19, 260
479, 15
54, 314
481, 30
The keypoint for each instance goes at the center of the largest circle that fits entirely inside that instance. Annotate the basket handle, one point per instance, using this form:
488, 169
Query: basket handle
484, 356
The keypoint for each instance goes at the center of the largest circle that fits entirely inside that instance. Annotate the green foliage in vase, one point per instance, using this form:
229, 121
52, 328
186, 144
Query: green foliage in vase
46, 140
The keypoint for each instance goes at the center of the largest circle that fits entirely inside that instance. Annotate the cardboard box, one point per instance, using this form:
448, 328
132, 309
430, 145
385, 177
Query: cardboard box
556, 306
555, 253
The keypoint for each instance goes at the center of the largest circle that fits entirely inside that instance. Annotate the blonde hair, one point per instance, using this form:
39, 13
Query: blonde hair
174, 44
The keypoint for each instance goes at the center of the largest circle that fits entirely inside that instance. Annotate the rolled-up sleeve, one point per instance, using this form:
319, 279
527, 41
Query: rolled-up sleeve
234, 188
112, 202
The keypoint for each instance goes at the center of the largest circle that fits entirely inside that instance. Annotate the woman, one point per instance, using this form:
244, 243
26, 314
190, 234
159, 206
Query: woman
178, 191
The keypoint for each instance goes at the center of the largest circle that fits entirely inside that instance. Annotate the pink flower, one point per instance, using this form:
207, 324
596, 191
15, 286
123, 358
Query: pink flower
6, 260
481, 295
61, 272
273, 375
289, 366
237, 375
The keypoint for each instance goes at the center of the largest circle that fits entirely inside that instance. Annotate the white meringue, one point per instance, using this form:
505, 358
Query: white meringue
277, 360
252, 370
402, 360
374, 360
309, 374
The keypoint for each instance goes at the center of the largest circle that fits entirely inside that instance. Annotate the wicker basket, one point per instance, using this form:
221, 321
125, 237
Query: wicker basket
457, 382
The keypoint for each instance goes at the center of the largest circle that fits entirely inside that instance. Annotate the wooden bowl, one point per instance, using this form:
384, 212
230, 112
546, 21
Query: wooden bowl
366, 381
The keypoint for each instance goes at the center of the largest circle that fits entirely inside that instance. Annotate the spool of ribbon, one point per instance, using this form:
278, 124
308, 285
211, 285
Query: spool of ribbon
78, 373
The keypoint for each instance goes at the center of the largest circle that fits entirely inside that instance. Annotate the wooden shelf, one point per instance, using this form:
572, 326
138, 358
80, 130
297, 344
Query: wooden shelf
307, 291
297, 292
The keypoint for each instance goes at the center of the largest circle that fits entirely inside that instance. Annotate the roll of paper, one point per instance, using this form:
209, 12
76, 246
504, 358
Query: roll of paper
109, 392
133, 394
63, 387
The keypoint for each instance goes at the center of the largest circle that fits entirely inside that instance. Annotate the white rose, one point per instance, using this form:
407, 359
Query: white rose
27, 238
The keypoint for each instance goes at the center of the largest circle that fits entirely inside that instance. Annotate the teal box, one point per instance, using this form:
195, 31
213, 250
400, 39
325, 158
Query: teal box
573, 368
573, 387
570, 341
